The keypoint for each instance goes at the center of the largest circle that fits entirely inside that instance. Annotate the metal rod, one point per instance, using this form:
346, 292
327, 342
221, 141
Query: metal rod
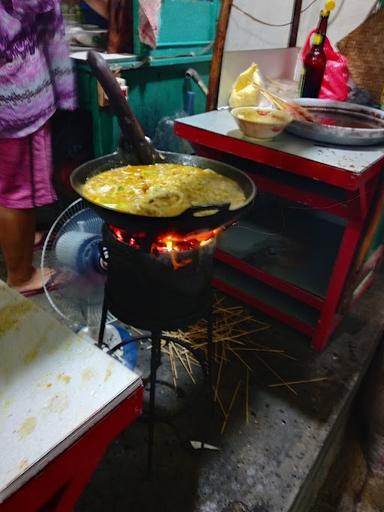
210, 353
192, 74
155, 360
103, 320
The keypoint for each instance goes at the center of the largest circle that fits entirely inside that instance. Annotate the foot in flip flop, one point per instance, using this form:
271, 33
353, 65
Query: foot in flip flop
35, 285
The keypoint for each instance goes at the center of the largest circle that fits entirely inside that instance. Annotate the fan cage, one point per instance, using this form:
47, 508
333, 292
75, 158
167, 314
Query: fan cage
63, 299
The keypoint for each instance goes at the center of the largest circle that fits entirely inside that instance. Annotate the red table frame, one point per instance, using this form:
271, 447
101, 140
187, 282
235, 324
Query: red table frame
360, 191
60, 484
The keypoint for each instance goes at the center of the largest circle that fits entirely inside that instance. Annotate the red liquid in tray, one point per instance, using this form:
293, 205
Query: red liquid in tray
346, 120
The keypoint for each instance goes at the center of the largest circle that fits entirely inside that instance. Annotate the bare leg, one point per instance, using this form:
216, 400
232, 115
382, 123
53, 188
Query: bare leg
38, 237
17, 233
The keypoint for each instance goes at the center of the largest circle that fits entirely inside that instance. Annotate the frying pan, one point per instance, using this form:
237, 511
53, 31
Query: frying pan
198, 218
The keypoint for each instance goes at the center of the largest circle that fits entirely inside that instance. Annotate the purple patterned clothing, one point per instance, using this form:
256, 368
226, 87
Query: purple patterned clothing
36, 76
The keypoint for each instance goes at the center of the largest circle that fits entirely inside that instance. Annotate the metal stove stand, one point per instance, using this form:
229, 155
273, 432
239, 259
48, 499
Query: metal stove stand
156, 336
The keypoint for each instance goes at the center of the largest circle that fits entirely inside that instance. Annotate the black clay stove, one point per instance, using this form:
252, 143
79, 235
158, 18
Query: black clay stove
156, 282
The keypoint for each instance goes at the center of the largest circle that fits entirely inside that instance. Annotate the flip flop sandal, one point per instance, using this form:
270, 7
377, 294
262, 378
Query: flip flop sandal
52, 284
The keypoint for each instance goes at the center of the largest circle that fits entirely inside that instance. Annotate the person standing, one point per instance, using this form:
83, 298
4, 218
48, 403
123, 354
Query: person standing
36, 79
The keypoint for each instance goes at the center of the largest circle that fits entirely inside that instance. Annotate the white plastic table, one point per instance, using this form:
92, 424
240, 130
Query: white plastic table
54, 386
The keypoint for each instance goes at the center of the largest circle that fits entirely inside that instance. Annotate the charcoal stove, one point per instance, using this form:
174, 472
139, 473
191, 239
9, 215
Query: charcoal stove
160, 268
159, 281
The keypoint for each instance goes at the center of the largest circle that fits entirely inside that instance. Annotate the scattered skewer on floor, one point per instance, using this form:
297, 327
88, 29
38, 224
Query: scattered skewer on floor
234, 330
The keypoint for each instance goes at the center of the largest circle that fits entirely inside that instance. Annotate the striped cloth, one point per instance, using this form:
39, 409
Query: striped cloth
36, 76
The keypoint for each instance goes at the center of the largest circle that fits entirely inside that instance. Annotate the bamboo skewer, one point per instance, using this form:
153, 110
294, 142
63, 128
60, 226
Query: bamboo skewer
234, 331
219, 375
221, 405
188, 362
180, 358
230, 406
300, 113
284, 383
241, 359
242, 334
272, 350
173, 367
289, 357
291, 382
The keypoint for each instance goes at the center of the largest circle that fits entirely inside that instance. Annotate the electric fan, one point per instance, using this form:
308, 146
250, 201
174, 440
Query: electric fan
73, 249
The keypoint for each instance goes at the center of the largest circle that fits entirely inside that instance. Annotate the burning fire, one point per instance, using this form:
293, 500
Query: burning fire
180, 243
174, 244
132, 240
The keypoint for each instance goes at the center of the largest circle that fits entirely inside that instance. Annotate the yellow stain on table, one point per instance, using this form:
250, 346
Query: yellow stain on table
68, 346
31, 355
27, 427
46, 381
108, 372
58, 403
6, 404
45, 385
12, 314
23, 464
64, 378
87, 374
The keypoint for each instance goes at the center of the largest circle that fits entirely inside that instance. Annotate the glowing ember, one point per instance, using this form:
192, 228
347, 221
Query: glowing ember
174, 244
132, 240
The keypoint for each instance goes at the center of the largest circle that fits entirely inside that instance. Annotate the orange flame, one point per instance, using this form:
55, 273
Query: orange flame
175, 244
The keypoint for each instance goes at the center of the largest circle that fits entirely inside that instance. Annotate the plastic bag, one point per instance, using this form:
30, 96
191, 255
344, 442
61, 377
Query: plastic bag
245, 90
335, 81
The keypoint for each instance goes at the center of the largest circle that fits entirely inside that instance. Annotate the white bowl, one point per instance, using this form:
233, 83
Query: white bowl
261, 123
91, 38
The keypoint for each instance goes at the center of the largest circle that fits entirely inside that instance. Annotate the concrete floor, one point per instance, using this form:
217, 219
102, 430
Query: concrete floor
275, 463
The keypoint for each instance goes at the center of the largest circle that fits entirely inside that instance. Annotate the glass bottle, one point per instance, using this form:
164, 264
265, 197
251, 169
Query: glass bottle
323, 23
313, 68
324, 17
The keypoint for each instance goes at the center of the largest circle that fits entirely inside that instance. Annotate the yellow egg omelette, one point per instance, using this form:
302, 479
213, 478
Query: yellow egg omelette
161, 190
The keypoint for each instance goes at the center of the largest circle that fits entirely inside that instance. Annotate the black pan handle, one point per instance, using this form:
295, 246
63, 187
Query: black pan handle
204, 210
129, 124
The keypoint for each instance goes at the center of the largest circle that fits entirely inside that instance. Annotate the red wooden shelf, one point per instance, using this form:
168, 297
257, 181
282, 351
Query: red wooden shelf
339, 182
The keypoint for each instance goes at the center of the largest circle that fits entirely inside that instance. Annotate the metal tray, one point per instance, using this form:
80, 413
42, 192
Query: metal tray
349, 124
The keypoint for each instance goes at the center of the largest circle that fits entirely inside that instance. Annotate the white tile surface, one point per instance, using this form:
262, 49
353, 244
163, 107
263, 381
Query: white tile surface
53, 386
